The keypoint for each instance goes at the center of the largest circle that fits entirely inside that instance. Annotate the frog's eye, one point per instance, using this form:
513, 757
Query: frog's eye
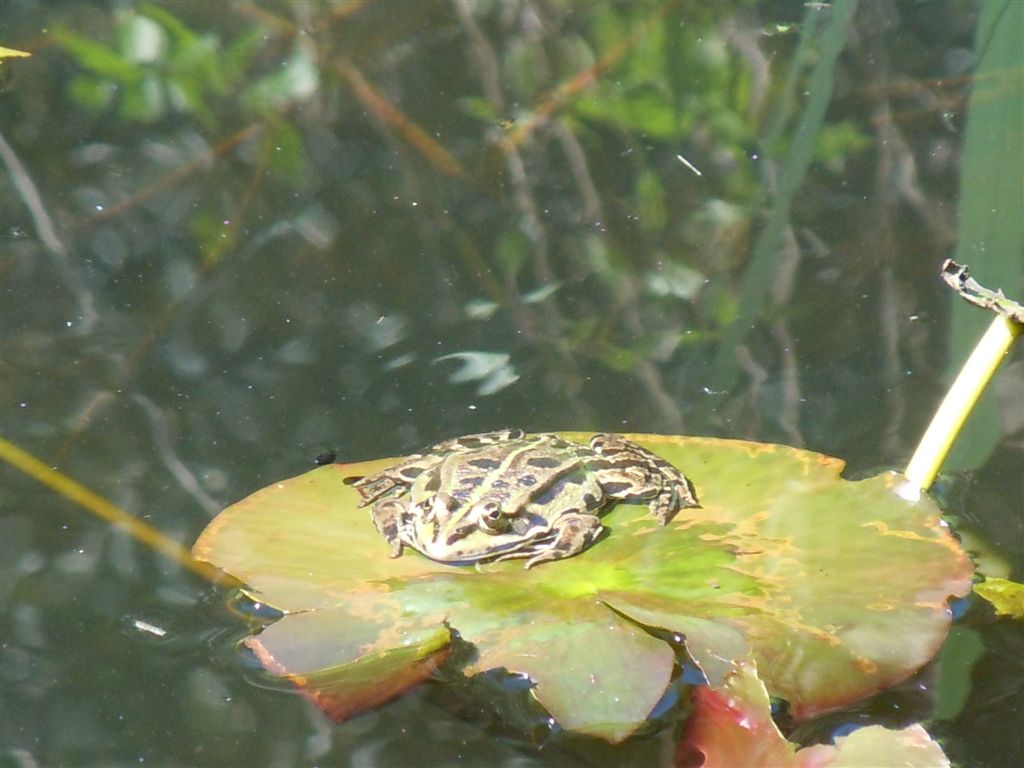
490, 518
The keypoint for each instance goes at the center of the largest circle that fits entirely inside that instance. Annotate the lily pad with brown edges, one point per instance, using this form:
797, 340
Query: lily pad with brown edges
837, 590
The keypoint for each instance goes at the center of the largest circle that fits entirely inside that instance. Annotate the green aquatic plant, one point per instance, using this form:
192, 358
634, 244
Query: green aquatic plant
786, 564
974, 377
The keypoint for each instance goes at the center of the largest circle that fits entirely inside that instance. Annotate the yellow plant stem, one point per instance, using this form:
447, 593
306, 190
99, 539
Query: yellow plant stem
960, 401
140, 531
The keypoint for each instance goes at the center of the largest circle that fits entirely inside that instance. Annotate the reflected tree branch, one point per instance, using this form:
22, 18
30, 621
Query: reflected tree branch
142, 532
47, 233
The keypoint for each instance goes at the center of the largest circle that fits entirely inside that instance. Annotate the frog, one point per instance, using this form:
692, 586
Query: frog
501, 495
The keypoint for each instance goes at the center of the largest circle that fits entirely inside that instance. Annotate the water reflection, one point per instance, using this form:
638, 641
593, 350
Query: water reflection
235, 234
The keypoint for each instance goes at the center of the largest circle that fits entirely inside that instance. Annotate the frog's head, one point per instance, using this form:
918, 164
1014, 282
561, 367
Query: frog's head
451, 532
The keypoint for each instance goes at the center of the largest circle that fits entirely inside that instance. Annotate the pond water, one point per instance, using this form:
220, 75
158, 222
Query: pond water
237, 235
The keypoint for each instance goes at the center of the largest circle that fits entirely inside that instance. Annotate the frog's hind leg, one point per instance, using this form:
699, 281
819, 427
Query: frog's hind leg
629, 472
397, 478
575, 532
469, 442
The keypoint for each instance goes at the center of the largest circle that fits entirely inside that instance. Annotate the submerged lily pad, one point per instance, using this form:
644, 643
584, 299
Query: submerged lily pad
837, 589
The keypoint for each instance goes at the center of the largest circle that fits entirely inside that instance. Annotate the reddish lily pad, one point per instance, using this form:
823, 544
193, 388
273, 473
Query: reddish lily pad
838, 589
732, 725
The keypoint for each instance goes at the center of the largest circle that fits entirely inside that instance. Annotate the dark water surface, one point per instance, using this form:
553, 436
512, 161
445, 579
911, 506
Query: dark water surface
238, 234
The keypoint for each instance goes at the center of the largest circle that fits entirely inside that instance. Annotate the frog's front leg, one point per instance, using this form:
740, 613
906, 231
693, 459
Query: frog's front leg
573, 532
389, 516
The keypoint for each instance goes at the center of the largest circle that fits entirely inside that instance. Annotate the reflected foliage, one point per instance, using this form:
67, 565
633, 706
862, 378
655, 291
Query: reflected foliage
579, 240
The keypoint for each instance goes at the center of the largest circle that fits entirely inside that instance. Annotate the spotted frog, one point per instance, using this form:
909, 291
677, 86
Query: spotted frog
502, 495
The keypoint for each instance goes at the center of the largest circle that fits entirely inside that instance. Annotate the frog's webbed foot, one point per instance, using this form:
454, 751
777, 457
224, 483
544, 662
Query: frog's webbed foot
373, 487
672, 498
396, 479
575, 532
387, 517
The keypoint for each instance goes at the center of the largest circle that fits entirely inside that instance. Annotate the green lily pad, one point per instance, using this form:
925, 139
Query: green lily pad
1006, 596
732, 725
837, 589
309, 642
